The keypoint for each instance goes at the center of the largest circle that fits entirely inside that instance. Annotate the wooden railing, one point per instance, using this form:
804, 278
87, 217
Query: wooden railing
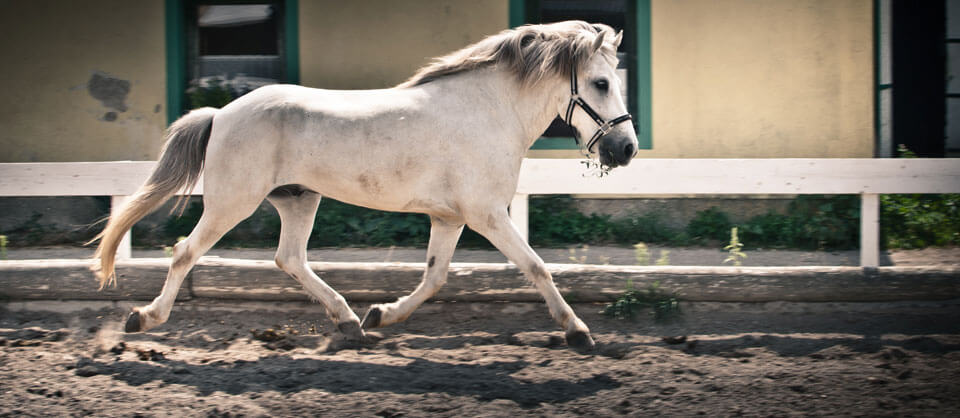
868, 178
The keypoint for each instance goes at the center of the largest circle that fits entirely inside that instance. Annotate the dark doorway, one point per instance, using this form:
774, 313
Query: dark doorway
919, 74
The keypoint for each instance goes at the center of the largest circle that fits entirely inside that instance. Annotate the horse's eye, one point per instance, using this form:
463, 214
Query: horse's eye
601, 85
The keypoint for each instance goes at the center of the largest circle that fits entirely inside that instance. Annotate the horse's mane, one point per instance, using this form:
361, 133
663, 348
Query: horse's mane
531, 52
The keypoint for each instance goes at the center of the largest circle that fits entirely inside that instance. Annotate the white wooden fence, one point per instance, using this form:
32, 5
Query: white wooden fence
866, 177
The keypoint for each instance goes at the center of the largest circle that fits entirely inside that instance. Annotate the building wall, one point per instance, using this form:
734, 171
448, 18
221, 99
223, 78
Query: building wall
380, 43
85, 81
82, 80
760, 79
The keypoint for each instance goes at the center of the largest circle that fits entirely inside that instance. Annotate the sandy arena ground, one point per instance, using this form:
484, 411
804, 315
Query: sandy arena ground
460, 359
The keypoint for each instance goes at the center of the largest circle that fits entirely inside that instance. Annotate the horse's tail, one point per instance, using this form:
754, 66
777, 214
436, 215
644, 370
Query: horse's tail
181, 161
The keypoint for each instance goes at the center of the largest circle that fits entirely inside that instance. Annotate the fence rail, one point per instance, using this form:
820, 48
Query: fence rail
868, 178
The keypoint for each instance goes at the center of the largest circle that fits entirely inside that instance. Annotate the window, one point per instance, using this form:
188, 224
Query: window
631, 16
231, 50
220, 50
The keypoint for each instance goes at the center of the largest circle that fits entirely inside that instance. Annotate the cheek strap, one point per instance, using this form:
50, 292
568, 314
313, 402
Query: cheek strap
603, 126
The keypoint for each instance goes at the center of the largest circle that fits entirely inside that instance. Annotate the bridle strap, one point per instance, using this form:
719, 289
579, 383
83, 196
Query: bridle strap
604, 126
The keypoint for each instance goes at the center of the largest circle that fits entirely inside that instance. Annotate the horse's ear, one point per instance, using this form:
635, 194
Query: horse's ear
616, 41
597, 43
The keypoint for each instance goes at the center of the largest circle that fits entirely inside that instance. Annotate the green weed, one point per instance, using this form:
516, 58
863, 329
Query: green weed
734, 248
642, 254
664, 259
662, 305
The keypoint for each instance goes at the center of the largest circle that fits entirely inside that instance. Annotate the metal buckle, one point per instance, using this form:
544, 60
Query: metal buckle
605, 128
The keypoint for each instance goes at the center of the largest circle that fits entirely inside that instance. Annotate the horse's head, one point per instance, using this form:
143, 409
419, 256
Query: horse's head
596, 109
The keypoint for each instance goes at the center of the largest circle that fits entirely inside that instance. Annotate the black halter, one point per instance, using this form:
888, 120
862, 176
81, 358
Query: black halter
604, 125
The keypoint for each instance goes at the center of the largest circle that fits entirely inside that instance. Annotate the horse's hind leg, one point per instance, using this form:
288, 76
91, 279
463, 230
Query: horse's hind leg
443, 240
297, 209
500, 231
219, 216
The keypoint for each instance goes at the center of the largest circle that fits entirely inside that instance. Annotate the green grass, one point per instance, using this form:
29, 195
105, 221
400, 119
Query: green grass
661, 305
810, 222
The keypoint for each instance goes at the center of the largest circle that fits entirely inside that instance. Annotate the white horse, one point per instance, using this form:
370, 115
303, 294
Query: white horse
448, 142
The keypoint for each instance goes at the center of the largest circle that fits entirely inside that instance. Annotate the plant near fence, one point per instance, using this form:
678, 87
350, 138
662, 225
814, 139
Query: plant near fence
642, 254
810, 222
661, 304
734, 249
918, 221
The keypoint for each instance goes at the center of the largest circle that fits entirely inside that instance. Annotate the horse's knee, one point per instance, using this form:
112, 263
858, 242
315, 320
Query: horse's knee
538, 272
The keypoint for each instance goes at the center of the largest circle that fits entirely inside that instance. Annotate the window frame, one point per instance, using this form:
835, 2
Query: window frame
176, 48
639, 90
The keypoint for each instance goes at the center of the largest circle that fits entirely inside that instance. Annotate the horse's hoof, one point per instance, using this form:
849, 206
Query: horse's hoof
133, 323
351, 331
372, 318
351, 337
580, 340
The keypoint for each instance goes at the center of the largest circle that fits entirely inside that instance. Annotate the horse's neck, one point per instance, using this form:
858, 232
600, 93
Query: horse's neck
498, 95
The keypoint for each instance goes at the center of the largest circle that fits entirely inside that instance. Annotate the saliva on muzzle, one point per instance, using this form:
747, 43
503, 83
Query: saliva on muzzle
616, 151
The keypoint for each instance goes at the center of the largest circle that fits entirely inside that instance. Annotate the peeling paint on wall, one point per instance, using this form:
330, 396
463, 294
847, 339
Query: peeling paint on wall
110, 91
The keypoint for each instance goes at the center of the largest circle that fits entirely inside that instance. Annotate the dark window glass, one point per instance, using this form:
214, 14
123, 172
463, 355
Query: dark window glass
232, 50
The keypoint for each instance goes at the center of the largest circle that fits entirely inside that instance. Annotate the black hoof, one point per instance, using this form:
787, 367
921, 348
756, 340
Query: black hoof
372, 318
351, 331
133, 323
351, 337
580, 340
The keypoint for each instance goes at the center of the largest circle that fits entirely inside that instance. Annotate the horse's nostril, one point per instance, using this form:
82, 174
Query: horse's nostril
629, 150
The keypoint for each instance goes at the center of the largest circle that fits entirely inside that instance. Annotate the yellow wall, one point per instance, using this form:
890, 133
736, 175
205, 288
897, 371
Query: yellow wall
760, 79
380, 43
746, 78
51, 50
731, 78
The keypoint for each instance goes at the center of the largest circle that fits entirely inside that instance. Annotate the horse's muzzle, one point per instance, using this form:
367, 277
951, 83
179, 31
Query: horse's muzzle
615, 152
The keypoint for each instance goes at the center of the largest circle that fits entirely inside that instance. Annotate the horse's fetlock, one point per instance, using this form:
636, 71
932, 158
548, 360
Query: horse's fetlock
161, 318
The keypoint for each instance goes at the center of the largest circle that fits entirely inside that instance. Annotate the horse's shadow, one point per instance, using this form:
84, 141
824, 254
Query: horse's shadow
791, 346
284, 374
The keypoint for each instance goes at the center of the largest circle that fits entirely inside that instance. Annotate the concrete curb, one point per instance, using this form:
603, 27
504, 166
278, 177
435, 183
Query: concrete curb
260, 280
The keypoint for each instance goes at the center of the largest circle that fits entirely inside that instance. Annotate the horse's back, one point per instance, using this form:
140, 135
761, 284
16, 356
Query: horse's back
283, 99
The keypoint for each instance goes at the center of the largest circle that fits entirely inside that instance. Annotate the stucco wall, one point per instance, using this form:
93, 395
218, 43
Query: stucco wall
760, 79
744, 78
380, 43
732, 78
82, 80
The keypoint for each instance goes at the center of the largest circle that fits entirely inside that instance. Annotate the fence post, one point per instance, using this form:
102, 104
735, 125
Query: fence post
869, 230
519, 215
124, 251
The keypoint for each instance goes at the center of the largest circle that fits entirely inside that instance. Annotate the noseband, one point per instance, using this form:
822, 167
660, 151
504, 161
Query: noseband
604, 126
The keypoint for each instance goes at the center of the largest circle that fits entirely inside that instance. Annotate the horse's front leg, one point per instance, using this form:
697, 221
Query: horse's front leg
443, 240
500, 231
